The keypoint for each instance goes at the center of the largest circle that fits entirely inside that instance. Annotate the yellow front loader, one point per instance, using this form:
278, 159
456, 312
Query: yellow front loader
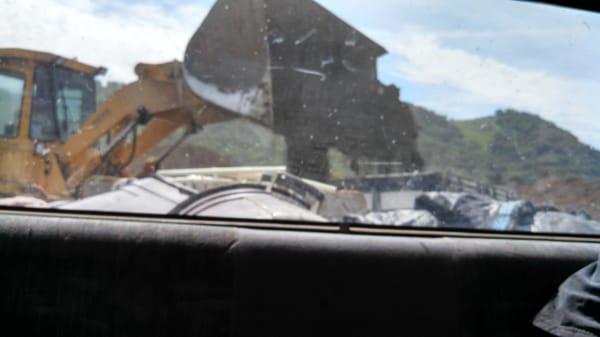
53, 137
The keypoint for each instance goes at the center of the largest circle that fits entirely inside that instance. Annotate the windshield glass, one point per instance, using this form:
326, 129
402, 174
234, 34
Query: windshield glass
433, 114
11, 98
62, 100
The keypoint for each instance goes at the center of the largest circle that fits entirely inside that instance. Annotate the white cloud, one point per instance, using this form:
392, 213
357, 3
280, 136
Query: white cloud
117, 39
128, 33
422, 58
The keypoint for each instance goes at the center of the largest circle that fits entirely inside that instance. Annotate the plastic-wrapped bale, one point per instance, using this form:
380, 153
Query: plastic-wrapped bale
397, 218
463, 210
248, 201
152, 195
555, 222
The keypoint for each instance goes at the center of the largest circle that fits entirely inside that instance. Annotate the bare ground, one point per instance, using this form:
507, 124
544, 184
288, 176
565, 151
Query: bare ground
566, 193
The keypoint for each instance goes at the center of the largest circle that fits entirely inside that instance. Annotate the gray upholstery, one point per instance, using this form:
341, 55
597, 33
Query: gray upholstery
69, 276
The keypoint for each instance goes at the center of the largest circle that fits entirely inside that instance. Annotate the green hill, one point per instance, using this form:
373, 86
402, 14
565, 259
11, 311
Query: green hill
509, 147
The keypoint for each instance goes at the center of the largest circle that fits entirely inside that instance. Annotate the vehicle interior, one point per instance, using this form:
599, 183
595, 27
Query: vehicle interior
75, 271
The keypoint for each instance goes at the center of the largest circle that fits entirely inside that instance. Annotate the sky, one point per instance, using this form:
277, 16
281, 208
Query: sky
462, 58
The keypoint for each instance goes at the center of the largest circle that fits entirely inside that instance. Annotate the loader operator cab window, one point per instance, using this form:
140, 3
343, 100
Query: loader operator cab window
63, 99
11, 97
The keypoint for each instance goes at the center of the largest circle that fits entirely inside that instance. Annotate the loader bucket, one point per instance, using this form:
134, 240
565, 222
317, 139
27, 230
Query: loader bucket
227, 59
305, 73
244, 45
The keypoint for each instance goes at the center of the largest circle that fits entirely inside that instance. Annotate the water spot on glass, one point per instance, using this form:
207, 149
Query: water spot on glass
278, 38
305, 37
587, 25
349, 66
351, 39
327, 61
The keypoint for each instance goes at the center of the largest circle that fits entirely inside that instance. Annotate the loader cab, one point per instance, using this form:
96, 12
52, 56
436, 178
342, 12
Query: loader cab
44, 99
62, 100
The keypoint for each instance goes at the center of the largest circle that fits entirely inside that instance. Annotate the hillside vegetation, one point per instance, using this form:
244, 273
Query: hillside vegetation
510, 147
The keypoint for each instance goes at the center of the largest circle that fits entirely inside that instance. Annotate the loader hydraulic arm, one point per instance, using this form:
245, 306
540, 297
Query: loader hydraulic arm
160, 100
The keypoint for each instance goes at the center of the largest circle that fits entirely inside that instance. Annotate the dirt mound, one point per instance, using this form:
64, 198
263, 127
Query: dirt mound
566, 194
193, 156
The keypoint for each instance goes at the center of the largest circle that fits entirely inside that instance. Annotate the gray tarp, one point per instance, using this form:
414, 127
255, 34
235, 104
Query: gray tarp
554, 222
410, 218
148, 195
465, 210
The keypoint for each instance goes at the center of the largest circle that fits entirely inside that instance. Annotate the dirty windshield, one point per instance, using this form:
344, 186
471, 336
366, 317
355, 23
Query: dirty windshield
431, 114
